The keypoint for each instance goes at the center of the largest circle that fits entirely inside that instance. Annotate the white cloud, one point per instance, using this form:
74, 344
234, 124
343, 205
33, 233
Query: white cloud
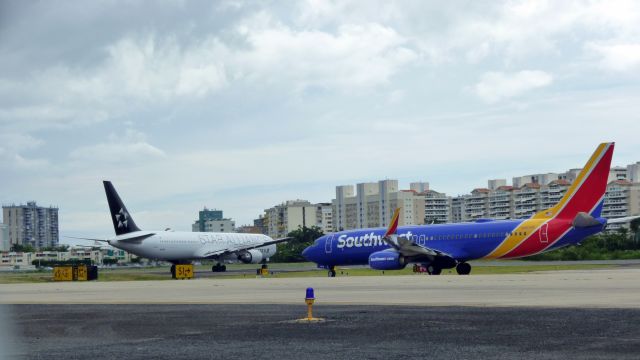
356, 56
132, 146
495, 86
618, 57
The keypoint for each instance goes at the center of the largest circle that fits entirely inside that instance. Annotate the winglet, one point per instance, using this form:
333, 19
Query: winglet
393, 225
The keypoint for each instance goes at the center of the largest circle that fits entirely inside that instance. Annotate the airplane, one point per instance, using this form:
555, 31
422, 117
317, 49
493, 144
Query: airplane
180, 247
445, 246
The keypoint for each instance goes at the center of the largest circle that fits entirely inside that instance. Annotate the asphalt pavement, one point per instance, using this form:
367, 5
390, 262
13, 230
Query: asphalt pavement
362, 332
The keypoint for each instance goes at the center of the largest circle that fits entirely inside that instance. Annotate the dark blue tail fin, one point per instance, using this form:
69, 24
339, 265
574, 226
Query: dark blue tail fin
122, 222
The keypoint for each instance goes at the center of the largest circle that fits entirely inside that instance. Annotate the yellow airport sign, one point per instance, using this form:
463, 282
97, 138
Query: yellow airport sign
63, 273
81, 273
184, 272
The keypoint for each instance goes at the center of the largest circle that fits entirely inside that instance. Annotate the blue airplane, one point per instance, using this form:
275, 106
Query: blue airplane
445, 246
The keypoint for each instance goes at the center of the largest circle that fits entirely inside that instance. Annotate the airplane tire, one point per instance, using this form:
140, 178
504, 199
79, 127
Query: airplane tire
463, 269
433, 270
223, 268
173, 271
332, 273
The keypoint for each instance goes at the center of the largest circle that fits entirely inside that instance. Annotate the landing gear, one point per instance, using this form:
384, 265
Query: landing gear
264, 269
463, 268
433, 270
332, 272
173, 270
219, 268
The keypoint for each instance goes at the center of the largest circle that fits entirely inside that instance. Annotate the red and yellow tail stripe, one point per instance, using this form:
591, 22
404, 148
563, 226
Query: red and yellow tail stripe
393, 224
548, 226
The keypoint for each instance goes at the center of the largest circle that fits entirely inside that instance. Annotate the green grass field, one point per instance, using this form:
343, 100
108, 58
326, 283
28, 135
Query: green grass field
162, 273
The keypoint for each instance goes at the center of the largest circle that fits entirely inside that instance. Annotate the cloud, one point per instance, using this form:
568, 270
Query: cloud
132, 146
355, 56
495, 86
618, 57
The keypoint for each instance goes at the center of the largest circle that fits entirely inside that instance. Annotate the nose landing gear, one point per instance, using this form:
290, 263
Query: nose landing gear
219, 268
332, 272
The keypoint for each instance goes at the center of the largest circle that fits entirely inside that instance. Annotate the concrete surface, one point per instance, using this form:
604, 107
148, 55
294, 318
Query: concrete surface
617, 288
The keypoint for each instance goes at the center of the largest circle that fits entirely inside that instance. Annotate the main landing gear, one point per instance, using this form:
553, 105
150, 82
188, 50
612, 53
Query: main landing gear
332, 272
434, 270
463, 268
219, 268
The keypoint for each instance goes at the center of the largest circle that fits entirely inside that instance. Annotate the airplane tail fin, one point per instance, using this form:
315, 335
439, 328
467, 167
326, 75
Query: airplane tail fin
122, 222
393, 224
587, 191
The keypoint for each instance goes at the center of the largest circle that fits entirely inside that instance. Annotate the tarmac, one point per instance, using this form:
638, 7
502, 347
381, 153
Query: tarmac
613, 288
586, 314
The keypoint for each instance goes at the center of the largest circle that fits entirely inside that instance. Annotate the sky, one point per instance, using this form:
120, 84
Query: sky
242, 105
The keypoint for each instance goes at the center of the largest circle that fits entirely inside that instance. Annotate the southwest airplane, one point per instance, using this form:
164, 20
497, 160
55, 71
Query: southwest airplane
446, 246
183, 247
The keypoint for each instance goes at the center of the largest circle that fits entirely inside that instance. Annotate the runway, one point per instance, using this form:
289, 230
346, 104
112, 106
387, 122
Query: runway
613, 288
552, 315
350, 332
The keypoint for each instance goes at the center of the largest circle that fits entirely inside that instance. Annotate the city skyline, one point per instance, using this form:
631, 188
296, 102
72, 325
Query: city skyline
241, 106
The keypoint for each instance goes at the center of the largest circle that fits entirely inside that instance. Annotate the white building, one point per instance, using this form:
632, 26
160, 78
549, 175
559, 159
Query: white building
214, 225
621, 199
4, 238
437, 207
289, 216
374, 203
31, 225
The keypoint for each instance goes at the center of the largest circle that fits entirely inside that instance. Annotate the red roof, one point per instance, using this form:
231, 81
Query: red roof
531, 186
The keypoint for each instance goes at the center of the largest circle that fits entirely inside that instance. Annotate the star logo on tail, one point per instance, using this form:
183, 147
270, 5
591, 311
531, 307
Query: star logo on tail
122, 217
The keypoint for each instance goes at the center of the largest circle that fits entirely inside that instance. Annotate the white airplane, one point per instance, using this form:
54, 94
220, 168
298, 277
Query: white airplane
180, 247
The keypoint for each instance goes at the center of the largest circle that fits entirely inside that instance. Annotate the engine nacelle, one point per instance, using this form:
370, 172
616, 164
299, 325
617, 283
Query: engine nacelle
387, 260
251, 256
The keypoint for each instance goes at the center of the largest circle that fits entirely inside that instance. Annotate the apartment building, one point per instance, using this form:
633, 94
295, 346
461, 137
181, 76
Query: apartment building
31, 225
281, 219
374, 203
621, 199
437, 207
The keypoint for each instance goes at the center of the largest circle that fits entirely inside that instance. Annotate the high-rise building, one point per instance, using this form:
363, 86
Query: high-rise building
324, 217
31, 225
437, 207
291, 215
4, 237
212, 221
374, 203
621, 199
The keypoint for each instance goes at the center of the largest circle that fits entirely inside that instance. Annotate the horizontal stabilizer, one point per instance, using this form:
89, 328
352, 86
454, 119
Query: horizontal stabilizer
583, 220
622, 220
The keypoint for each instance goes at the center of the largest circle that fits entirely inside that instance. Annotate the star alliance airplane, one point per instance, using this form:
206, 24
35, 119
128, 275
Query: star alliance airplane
445, 246
184, 247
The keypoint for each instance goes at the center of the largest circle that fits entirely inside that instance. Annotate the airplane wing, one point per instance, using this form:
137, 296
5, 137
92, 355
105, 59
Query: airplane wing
408, 248
87, 239
212, 254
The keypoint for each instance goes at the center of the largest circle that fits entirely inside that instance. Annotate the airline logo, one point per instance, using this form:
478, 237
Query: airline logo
393, 225
366, 240
122, 217
546, 228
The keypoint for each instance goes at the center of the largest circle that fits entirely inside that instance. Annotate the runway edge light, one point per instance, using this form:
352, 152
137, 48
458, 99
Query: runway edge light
309, 299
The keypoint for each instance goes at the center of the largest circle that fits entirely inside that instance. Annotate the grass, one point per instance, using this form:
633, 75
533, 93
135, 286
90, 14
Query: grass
162, 273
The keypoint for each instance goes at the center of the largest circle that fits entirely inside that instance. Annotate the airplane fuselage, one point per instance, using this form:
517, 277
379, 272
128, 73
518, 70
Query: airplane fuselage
462, 241
183, 246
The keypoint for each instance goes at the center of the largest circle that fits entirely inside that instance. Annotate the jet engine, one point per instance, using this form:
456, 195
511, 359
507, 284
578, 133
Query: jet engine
251, 256
387, 260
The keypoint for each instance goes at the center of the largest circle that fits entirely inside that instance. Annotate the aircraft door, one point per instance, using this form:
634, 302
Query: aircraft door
544, 233
328, 244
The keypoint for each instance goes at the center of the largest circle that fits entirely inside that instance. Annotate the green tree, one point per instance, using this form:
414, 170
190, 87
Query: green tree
23, 248
291, 251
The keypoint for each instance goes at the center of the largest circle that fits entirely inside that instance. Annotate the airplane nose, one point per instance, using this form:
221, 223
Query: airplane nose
306, 253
